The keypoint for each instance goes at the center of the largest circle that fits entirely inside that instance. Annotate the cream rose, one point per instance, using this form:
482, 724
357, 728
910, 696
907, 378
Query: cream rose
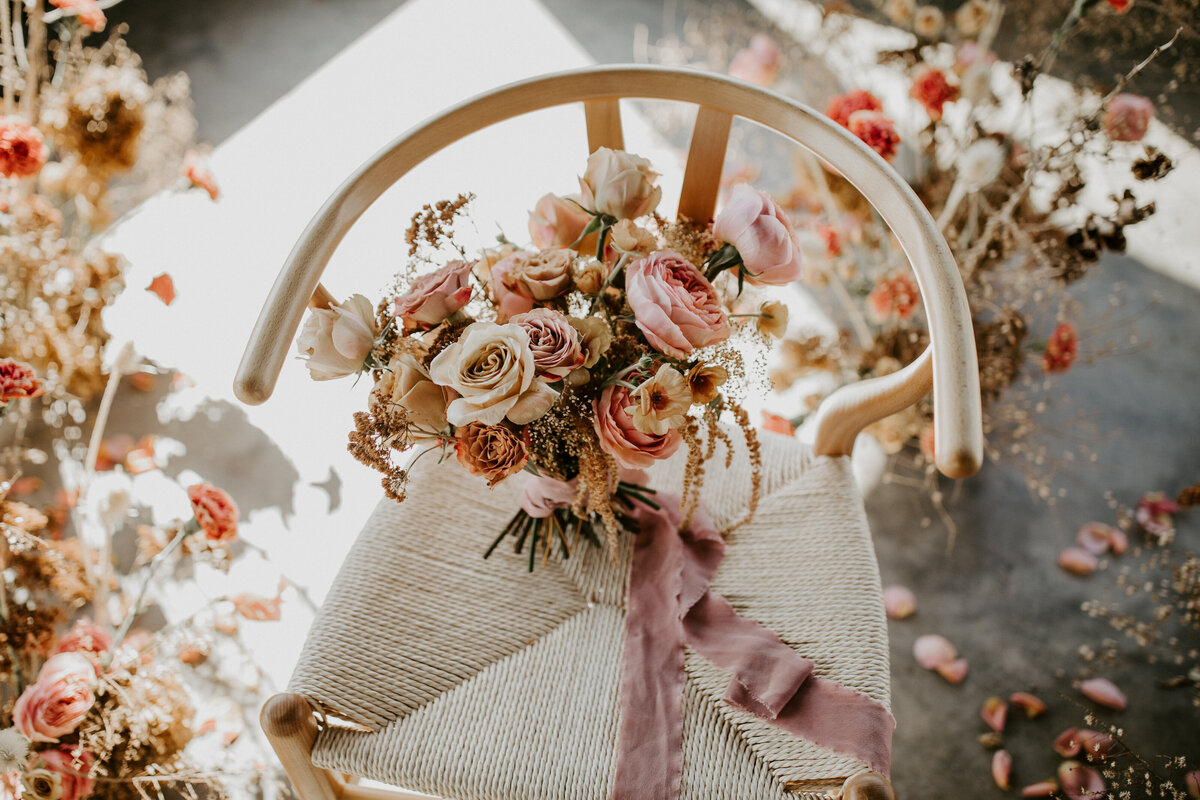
336, 341
408, 385
619, 184
491, 367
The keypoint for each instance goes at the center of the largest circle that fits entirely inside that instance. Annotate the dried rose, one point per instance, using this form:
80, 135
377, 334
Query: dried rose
630, 238
22, 148
493, 452
336, 341
434, 297
556, 344
215, 511
619, 184
589, 274
55, 704
557, 222
674, 305
762, 235
522, 278
621, 439
661, 403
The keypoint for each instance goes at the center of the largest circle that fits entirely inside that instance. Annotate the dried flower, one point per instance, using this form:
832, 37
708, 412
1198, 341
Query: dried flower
57, 702
1153, 513
432, 298
758, 63
877, 131
521, 278
595, 338
589, 273
1104, 692
22, 148
14, 749
773, 319
89, 12
674, 305
17, 381
163, 287
215, 511
971, 17
407, 384
619, 184
933, 90
491, 368
1127, 117
894, 296
843, 105
335, 342
899, 602
705, 381
493, 452
928, 22
661, 403
981, 163
1061, 348
557, 222
900, 11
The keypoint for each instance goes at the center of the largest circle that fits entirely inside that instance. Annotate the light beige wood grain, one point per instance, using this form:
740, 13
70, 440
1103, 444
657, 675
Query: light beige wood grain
955, 377
706, 157
603, 119
291, 727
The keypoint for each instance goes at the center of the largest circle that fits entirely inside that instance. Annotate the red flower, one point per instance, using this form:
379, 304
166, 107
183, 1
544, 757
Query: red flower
18, 380
931, 89
164, 287
777, 424
897, 294
877, 131
199, 175
22, 148
843, 105
215, 511
1121, 5
833, 242
1061, 348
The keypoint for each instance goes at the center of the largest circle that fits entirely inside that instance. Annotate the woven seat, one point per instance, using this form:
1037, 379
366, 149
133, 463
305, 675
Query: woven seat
483, 681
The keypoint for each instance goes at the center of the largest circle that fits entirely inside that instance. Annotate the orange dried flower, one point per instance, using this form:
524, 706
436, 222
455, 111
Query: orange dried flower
215, 511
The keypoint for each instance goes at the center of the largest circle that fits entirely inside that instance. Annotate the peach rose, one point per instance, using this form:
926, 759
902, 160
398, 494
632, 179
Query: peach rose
434, 297
524, 277
490, 451
1127, 117
619, 184
58, 701
620, 438
408, 384
555, 343
674, 305
556, 222
491, 368
215, 511
22, 148
85, 637
762, 234
336, 341
62, 774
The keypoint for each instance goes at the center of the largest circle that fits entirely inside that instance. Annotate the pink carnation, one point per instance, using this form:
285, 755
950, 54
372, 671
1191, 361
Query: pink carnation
22, 148
843, 105
85, 637
434, 297
1128, 117
932, 90
877, 131
674, 305
58, 701
621, 439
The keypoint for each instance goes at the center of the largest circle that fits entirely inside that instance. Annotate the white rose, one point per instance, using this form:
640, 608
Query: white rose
619, 184
491, 368
336, 341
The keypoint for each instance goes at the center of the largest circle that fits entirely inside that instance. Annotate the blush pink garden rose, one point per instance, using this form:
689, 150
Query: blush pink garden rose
215, 511
336, 341
674, 305
55, 704
85, 636
22, 148
556, 344
62, 773
556, 222
762, 234
491, 368
620, 438
1127, 117
619, 184
434, 297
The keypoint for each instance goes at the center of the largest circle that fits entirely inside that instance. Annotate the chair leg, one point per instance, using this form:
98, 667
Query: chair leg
868, 786
288, 721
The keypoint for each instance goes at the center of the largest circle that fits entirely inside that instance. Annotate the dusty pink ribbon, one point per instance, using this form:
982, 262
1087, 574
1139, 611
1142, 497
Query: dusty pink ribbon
670, 604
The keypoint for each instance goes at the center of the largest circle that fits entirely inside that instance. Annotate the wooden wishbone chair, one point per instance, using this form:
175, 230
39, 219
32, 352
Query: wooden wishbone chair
339, 678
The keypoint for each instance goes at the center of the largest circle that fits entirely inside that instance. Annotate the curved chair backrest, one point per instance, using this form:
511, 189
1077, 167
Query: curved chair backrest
949, 364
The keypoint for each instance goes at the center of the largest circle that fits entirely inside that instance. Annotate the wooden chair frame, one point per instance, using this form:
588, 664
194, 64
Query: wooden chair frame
948, 365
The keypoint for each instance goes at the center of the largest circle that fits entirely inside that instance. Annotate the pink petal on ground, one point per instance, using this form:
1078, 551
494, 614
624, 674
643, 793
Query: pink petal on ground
994, 713
953, 671
1192, 781
1067, 744
1118, 542
931, 650
1045, 788
1078, 561
1094, 743
1104, 692
1032, 704
899, 602
1080, 782
1002, 769
1094, 537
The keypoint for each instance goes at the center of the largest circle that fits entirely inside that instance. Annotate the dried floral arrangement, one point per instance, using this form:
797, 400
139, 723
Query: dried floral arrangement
93, 704
612, 342
1005, 184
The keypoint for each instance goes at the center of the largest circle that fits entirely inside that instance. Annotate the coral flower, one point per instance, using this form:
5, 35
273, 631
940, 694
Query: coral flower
89, 12
215, 511
199, 175
1121, 6
896, 295
879, 132
843, 105
18, 380
1061, 349
22, 148
932, 90
85, 637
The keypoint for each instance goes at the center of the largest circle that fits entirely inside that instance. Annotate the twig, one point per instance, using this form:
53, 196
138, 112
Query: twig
100, 573
8, 72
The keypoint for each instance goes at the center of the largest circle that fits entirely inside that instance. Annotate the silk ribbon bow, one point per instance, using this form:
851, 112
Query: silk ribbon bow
670, 604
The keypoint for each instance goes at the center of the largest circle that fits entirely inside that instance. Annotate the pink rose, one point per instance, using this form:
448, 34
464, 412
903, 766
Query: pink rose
22, 148
85, 637
521, 278
65, 772
620, 438
674, 305
764, 238
62, 696
1128, 117
556, 222
434, 297
555, 343
215, 511
758, 63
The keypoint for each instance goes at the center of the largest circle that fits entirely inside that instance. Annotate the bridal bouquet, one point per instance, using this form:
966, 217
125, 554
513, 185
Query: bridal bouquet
612, 341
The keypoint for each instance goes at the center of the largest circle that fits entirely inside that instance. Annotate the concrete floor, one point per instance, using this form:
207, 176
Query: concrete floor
998, 595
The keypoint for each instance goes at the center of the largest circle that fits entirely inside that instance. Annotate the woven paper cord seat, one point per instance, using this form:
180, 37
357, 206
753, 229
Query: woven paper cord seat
483, 681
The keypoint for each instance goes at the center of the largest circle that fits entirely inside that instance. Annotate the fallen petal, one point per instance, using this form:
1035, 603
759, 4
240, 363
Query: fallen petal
778, 424
994, 713
164, 287
1104, 692
1045, 788
1002, 769
1067, 744
142, 381
1095, 744
1078, 561
899, 602
953, 671
1094, 537
1079, 782
931, 649
991, 740
1032, 704
1192, 781
1118, 542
